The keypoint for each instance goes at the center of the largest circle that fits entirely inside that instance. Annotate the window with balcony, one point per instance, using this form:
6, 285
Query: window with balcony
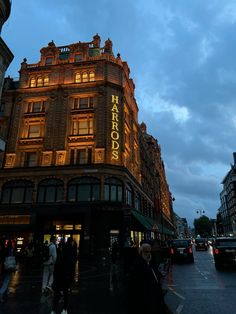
79, 156
113, 190
16, 192
82, 127
84, 189
50, 191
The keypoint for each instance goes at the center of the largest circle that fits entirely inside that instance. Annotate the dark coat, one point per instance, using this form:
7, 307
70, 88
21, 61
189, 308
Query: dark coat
144, 289
64, 267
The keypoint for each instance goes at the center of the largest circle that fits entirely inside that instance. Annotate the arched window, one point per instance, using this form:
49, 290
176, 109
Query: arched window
84, 77
46, 81
39, 82
17, 192
84, 189
77, 78
32, 82
91, 76
113, 190
129, 195
50, 191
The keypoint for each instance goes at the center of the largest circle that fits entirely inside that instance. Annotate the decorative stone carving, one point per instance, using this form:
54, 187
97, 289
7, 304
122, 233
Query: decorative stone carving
60, 157
47, 159
99, 155
10, 160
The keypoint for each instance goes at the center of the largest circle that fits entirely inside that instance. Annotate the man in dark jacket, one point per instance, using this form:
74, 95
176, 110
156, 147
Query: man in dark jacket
63, 274
144, 291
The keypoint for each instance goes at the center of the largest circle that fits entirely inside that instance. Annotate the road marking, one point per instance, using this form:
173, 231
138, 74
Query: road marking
179, 308
176, 293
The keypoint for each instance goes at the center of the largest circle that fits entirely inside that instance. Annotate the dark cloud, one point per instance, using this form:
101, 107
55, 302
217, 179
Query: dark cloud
181, 55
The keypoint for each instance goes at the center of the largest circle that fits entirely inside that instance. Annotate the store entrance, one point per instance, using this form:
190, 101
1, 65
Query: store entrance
63, 230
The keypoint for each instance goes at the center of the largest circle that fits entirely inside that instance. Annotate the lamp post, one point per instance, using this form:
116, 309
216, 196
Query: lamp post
200, 212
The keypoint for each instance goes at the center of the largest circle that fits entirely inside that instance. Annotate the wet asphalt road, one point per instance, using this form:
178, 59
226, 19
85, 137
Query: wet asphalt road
200, 289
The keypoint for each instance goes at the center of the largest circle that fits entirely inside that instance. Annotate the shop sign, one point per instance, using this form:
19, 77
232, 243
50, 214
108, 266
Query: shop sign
115, 132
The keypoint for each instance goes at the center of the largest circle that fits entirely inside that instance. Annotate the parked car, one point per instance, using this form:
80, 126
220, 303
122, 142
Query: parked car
181, 250
224, 252
201, 244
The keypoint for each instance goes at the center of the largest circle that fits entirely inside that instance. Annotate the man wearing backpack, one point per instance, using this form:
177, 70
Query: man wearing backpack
49, 264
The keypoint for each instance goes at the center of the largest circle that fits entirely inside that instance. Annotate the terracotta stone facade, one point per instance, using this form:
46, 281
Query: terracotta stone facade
73, 163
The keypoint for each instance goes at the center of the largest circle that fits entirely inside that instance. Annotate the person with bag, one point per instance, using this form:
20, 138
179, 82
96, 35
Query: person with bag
9, 266
49, 264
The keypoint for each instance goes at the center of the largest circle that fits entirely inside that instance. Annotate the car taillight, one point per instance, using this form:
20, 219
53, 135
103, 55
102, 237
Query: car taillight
216, 251
190, 250
171, 251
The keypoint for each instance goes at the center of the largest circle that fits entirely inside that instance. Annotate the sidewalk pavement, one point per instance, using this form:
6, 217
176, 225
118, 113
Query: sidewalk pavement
98, 289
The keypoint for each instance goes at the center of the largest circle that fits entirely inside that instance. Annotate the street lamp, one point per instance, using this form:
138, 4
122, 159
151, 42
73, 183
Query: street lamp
200, 212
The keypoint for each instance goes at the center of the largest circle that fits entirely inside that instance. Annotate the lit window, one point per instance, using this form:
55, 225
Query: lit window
77, 78
32, 82
34, 131
46, 81
83, 103
39, 82
36, 106
84, 77
82, 127
91, 76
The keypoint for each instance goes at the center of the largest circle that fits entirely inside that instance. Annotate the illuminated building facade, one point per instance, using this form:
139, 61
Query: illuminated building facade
72, 164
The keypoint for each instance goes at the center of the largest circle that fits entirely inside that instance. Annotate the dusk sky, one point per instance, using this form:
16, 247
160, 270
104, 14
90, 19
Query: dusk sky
181, 55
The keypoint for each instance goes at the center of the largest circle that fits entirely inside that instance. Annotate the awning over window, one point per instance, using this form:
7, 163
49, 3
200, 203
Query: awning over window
148, 223
145, 221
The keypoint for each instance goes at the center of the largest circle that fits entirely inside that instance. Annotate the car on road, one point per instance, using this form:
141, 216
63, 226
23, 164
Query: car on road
201, 244
181, 250
224, 252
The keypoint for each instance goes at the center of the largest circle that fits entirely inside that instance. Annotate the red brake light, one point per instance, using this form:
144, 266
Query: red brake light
171, 251
216, 251
190, 250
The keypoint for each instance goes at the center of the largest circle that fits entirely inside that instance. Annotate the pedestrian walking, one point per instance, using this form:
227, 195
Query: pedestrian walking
144, 294
49, 265
63, 275
8, 257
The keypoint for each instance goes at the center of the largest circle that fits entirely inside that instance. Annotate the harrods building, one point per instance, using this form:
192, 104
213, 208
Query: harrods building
77, 162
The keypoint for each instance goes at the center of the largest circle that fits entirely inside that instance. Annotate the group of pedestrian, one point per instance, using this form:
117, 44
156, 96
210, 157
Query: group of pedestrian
59, 271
